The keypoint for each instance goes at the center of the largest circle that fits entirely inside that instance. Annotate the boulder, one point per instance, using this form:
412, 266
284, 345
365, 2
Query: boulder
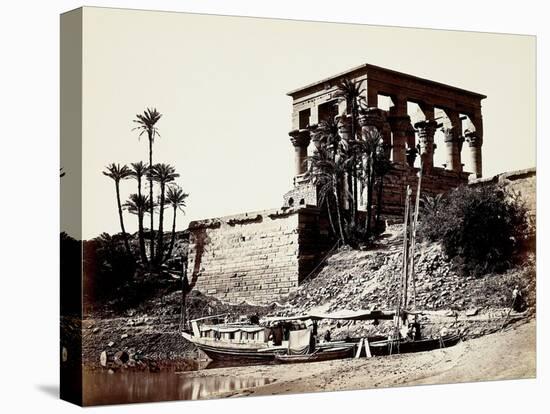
103, 359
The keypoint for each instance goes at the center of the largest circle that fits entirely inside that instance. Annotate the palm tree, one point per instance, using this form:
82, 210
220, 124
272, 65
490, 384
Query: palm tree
163, 174
327, 135
326, 172
431, 205
176, 198
138, 204
118, 173
353, 94
147, 124
367, 149
139, 170
382, 167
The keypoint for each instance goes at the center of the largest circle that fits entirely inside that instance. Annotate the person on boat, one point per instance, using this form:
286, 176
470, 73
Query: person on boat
411, 331
327, 336
403, 332
277, 334
416, 329
312, 343
254, 319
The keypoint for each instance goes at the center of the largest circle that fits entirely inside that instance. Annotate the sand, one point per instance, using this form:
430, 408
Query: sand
504, 355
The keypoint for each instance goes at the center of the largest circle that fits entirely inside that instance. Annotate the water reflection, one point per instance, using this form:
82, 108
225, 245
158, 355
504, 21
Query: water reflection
128, 387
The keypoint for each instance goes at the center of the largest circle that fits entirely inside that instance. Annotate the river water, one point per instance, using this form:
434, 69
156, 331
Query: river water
101, 387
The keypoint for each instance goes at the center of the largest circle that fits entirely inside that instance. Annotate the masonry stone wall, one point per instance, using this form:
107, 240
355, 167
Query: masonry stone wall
395, 183
521, 182
255, 257
440, 180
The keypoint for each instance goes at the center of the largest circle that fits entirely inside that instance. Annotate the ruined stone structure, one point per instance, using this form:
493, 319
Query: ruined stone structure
256, 257
522, 182
260, 256
456, 112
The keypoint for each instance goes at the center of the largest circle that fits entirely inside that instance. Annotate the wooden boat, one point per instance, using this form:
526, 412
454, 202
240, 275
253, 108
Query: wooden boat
235, 341
319, 355
221, 350
250, 342
401, 346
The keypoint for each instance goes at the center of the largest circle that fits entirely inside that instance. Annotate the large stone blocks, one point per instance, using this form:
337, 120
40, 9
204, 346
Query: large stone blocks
255, 257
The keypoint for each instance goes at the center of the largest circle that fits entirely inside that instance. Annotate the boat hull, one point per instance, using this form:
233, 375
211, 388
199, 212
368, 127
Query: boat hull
221, 351
327, 355
403, 346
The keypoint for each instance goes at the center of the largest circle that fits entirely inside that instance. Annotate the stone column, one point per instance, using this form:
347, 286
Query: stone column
300, 139
453, 141
399, 126
426, 133
344, 126
474, 136
372, 118
475, 141
411, 151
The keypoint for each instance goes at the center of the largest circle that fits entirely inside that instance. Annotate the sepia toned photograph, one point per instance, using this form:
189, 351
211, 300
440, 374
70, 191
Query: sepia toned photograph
255, 206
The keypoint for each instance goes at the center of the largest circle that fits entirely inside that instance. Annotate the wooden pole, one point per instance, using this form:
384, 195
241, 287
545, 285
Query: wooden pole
402, 297
406, 248
413, 235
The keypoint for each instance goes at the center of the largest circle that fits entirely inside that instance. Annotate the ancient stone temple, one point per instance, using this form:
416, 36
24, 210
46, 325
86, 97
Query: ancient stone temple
416, 110
260, 256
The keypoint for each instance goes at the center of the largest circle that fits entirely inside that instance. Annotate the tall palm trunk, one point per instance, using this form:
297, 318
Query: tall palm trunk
329, 213
172, 238
379, 200
340, 228
121, 218
160, 240
353, 189
151, 201
141, 213
370, 182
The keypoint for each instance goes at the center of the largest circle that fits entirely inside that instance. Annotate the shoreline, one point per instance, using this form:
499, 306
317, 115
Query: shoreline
509, 354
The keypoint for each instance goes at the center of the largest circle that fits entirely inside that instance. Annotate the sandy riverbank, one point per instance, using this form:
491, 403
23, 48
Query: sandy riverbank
504, 355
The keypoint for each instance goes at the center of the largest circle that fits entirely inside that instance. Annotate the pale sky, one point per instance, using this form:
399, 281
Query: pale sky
221, 83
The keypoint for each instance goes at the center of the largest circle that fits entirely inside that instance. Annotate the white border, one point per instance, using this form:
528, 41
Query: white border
28, 241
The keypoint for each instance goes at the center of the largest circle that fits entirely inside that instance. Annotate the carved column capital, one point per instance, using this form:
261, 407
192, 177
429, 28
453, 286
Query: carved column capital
426, 129
372, 117
300, 137
426, 132
344, 126
473, 138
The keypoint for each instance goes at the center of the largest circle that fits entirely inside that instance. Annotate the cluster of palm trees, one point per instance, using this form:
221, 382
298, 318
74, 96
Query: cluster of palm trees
141, 204
340, 162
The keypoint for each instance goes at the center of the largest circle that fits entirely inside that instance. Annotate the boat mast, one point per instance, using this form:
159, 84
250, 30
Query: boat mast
413, 235
402, 299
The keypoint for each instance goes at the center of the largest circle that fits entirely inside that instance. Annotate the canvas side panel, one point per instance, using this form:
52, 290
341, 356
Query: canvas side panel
71, 207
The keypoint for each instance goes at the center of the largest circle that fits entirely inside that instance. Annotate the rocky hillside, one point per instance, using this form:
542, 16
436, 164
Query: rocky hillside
354, 279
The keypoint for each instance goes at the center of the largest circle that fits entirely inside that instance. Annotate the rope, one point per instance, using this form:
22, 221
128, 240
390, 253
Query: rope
333, 248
